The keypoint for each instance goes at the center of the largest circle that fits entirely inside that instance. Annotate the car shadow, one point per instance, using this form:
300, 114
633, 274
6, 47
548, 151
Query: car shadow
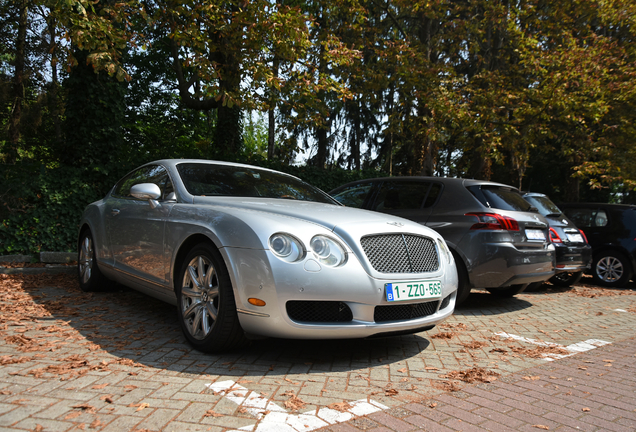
484, 303
126, 327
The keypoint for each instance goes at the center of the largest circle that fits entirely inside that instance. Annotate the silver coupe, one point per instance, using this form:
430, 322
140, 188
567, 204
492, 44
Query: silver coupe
248, 252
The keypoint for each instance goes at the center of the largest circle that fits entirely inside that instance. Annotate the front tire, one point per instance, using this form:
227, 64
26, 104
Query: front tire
90, 277
566, 279
205, 302
611, 269
463, 284
507, 292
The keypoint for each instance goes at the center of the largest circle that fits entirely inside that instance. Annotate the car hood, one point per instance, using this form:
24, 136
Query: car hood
327, 215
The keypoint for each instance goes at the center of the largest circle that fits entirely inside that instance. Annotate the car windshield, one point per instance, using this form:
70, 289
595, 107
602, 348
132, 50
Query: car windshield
239, 181
545, 206
498, 197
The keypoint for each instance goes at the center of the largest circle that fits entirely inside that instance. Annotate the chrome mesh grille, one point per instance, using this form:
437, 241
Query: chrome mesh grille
400, 253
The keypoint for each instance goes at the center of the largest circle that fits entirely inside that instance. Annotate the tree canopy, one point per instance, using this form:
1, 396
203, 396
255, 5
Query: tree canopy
534, 93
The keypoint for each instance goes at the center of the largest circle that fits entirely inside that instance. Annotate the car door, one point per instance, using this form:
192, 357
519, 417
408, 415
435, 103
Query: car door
135, 229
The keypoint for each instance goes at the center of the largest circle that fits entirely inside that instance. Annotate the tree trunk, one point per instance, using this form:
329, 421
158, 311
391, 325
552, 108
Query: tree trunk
271, 129
18, 83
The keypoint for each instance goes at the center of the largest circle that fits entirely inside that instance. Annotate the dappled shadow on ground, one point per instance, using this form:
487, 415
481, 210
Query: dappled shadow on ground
48, 316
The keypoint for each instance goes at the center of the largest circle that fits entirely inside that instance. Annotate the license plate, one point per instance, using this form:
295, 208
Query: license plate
575, 238
535, 234
416, 290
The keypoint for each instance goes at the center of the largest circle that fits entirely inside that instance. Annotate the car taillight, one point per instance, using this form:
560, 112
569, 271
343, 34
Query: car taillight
493, 221
584, 236
554, 237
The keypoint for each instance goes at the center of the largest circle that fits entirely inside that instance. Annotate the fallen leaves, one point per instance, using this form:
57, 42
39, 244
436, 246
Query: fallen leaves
211, 413
474, 374
294, 403
340, 406
444, 335
531, 378
140, 406
86, 408
538, 426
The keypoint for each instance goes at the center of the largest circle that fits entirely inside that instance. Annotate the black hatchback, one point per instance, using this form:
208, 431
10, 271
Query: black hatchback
499, 243
573, 253
611, 231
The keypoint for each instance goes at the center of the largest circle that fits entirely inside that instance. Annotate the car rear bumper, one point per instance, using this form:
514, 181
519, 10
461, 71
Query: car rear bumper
498, 265
572, 259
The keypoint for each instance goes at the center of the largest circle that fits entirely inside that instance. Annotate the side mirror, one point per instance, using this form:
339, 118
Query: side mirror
147, 191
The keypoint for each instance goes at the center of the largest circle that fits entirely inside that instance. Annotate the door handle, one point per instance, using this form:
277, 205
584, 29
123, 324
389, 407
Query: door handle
114, 212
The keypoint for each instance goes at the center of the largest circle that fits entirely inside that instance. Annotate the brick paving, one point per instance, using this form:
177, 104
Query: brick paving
116, 361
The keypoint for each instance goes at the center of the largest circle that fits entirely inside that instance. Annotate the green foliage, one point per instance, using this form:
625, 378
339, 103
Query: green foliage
41, 207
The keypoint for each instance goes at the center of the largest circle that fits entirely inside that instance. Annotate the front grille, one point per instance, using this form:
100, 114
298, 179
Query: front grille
318, 311
400, 253
404, 312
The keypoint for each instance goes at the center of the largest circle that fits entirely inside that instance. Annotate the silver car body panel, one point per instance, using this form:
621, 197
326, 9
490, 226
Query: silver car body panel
139, 246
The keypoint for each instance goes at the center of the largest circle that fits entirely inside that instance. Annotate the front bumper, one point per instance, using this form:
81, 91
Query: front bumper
259, 274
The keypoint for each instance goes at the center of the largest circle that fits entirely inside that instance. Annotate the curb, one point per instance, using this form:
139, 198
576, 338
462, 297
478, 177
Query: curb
53, 263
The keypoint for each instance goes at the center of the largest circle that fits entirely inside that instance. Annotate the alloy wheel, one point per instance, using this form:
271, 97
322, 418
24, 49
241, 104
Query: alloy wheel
200, 297
609, 269
86, 260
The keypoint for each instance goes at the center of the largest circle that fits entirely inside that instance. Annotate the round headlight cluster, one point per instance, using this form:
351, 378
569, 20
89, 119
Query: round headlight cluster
326, 250
286, 247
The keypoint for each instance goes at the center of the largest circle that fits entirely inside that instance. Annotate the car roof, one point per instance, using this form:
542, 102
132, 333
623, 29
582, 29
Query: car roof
444, 180
174, 162
606, 205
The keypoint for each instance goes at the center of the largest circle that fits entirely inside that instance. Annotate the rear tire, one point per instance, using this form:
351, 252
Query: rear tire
91, 279
611, 269
205, 302
566, 279
507, 292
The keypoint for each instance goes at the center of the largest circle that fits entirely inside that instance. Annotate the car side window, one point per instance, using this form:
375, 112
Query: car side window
587, 217
354, 195
401, 195
148, 174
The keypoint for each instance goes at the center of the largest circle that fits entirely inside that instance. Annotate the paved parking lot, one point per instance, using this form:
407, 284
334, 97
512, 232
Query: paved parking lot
117, 361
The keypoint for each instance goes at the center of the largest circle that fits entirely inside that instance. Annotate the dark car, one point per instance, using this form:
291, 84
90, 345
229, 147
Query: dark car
498, 241
611, 231
573, 253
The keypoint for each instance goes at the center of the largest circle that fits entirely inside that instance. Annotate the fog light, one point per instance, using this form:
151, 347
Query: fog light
255, 301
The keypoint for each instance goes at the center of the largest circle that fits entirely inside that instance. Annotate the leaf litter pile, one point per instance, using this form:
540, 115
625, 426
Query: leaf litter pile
35, 316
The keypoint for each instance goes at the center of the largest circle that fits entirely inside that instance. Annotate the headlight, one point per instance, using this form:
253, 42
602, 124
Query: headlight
328, 251
286, 247
444, 250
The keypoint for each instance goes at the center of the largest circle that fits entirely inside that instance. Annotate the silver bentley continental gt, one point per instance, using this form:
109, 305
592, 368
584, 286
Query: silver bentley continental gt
249, 252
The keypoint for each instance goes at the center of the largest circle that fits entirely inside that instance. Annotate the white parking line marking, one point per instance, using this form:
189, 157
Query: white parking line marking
574, 348
273, 418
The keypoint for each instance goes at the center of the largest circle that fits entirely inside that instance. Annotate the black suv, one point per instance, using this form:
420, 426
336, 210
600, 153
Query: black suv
611, 231
573, 253
497, 239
